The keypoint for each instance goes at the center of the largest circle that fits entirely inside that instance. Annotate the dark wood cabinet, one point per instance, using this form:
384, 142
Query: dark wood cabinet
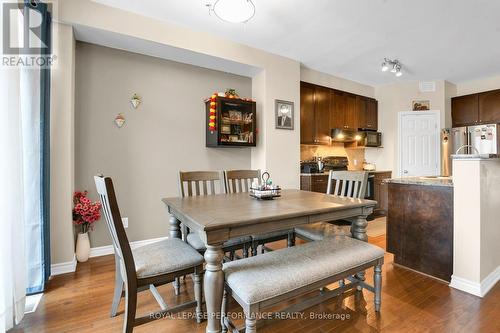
489, 107
314, 114
465, 110
307, 122
314, 183
367, 113
236, 123
420, 228
380, 192
322, 109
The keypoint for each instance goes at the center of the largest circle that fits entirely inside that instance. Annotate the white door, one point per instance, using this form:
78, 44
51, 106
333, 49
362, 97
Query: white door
419, 144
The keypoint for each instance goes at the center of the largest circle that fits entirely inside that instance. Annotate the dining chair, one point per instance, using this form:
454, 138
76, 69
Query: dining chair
195, 183
154, 264
240, 181
350, 184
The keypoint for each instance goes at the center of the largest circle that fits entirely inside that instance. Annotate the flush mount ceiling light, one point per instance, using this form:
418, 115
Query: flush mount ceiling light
393, 65
233, 11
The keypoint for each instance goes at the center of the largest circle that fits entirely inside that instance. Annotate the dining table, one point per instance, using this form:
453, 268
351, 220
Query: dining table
218, 218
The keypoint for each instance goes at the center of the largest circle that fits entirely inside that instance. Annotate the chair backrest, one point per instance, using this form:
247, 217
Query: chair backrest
113, 219
197, 183
348, 183
238, 181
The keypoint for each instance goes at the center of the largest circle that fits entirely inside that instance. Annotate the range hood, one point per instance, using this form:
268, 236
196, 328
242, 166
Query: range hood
346, 135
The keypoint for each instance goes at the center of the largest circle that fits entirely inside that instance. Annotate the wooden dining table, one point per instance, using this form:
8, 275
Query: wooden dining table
217, 218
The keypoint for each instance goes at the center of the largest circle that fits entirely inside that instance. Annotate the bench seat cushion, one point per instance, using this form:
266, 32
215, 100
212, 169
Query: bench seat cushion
166, 256
195, 241
279, 272
320, 230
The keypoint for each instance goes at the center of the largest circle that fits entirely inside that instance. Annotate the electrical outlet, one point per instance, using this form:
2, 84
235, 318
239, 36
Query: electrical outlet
125, 222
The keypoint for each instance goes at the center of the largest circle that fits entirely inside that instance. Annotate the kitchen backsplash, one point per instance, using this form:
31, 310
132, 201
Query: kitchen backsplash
355, 156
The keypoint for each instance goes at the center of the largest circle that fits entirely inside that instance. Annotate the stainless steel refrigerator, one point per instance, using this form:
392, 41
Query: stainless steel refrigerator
480, 139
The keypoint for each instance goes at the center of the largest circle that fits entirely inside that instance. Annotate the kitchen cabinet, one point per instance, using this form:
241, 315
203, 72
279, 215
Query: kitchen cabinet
380, 192
367, 113
314, 114
322, 109
489, 107
314, 182
420, 228
465, 110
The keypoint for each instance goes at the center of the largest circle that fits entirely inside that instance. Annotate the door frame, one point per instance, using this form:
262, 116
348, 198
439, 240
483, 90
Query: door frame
437, 116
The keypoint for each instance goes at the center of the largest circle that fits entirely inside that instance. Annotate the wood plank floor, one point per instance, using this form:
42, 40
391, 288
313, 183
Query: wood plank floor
80, 302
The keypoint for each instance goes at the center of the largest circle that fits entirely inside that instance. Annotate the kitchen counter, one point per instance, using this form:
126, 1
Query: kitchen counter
425, 181
326, 173
475, 156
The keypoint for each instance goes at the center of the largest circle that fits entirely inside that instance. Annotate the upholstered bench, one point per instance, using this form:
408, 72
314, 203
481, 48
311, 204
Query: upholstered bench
263, 281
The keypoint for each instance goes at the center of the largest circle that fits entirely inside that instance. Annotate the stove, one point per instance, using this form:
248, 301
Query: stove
337, 163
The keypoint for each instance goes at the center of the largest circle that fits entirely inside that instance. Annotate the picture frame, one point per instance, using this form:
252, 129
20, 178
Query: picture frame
284, 114
421, 105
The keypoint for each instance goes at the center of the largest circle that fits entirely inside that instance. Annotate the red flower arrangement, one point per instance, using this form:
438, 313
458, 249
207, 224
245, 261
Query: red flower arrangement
85, 212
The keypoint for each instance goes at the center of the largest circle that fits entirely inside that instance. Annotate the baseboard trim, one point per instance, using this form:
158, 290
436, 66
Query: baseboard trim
475, 288
63, 267
108, 249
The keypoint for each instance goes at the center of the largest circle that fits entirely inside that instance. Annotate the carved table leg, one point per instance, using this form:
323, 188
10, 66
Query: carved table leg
214, 287
175, 230
358, 230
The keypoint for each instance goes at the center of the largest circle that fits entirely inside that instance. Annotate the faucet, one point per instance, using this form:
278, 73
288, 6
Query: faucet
465, 146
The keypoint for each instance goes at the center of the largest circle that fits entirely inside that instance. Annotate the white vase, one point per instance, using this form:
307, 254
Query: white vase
82, 247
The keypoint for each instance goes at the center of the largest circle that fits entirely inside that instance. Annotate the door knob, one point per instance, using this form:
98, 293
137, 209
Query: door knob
405, 171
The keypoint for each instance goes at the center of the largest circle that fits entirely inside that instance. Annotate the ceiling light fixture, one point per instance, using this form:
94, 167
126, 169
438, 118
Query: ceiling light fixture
393, 65
233, 11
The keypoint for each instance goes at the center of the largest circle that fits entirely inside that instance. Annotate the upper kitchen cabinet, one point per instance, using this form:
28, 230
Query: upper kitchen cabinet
367, 112
482, 108
489, 107
314, 114
343, 113
465, 110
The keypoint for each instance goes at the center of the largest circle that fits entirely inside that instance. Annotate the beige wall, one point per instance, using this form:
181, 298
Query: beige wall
62, 145
165, 134
334, 82
479, 85
393, 99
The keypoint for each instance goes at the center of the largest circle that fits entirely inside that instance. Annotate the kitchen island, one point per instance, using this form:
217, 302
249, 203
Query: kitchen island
420, 224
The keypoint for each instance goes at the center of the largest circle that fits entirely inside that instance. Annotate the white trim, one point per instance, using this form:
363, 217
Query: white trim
475, 288
108, 249
437, 114
63, 267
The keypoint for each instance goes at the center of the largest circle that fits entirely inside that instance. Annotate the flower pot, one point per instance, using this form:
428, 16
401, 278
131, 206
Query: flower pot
82, 247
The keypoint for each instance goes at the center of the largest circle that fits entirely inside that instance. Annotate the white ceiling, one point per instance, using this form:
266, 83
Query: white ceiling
455, 40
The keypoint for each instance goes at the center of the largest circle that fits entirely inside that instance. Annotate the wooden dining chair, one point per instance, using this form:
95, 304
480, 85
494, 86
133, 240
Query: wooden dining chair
350, 184
195, 183
240, 181
154, 264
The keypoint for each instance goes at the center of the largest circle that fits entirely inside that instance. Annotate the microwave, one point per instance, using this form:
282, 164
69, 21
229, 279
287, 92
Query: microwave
372, 139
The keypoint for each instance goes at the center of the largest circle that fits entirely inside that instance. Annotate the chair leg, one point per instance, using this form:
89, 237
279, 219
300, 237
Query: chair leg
250, 324
130, 310
118, 288
177, 286
223, 312
262, 248
158, 298
231, 255
291, 239
245, 250
377, 278
197, 295
255, 245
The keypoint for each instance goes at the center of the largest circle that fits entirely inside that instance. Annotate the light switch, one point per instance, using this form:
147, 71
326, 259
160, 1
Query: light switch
125, 222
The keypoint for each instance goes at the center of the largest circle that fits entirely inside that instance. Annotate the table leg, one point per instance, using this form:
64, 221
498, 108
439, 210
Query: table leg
214, 287
358, 229
175, 230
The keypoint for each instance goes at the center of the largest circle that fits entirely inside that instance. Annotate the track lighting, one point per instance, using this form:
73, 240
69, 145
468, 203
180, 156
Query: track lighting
393, 65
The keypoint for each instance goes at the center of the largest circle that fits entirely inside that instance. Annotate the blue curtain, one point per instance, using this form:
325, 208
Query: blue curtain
38, 231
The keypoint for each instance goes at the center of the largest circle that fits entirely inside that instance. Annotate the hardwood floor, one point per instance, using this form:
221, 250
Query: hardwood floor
81, 302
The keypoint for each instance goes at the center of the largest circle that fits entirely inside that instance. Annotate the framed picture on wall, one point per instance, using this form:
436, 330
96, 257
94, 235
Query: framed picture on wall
283, 114
421, 105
